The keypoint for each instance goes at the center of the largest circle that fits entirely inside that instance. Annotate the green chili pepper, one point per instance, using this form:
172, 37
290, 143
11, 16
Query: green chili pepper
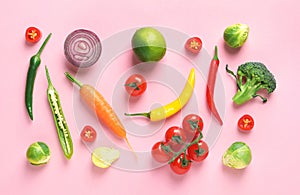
59, 119
35, 62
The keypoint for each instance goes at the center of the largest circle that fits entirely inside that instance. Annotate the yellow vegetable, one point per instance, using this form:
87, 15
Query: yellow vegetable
103, 157
172, 108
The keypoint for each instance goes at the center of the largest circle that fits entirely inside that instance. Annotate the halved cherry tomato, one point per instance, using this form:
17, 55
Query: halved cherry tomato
191, 125
161, 152
33, 35
246, 123
181, 164
193, 45
135, 85
199, 151
88, 134
175, 137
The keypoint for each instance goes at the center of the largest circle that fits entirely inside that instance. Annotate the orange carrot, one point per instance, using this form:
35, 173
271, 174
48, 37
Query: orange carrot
104, 111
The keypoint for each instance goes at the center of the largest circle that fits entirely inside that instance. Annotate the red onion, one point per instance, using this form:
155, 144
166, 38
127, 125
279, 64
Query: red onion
82, 48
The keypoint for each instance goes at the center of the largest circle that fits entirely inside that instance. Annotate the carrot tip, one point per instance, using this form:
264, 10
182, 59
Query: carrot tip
130, 147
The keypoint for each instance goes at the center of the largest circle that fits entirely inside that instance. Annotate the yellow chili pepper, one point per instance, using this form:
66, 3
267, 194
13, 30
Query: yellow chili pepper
172, 108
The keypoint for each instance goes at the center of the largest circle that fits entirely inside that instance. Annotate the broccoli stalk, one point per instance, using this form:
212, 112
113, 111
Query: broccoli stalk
252, 77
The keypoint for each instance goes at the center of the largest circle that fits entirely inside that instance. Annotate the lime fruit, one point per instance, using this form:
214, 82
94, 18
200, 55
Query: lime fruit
38, 153
148, 44
103, 157
237, 156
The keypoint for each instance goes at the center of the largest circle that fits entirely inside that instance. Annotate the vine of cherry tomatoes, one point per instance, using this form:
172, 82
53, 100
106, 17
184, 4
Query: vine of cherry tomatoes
182, 145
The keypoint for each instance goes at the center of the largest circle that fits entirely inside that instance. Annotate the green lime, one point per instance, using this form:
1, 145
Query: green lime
148, 44
38, 153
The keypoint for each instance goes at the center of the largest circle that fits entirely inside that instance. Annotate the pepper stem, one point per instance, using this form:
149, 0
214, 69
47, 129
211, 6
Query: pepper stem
48, 77
43, 45
72, 79
145, 114
216, 53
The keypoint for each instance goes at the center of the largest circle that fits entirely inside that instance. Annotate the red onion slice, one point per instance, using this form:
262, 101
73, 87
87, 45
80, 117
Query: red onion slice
82, 48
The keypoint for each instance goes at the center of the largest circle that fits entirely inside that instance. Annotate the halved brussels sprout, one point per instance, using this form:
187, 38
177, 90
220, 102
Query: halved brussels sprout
236, 35
103, 157
38, 153
237, 156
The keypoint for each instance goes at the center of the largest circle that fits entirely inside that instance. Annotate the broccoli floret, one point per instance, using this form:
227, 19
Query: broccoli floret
250, 78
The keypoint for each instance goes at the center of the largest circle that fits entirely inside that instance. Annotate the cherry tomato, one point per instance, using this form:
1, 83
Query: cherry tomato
193, 45
161, 152
88, 134
135, 85
199, 151
175, 137
246, 123
33, 35
181, 164
191, 125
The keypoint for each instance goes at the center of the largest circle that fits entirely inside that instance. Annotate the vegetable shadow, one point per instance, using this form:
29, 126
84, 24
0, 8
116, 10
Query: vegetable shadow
231, 51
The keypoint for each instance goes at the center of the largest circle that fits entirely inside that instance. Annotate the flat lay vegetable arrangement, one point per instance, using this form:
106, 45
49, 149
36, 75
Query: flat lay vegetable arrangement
182, 146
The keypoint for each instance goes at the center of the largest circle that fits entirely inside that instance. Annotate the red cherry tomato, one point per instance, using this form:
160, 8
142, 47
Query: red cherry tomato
246, 123
33, 35
191, 125
193, 45
199, 151
161, 152
135, 85
181, 164
88, 134
175, 137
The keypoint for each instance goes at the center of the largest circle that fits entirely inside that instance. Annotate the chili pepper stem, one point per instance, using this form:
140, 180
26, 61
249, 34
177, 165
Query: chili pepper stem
43, 45
145, 114
48, 76
216, 53
72, 79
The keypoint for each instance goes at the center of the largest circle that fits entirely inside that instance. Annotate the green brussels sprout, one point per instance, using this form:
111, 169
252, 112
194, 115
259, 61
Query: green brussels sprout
38, 153
237, 156
236, 35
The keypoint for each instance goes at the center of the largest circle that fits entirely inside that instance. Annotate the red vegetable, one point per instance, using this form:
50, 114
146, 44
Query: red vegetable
33, 34
192, 124
246, 123
211, 86
82, 48
88, 134
181, 164
161, 152
135, 85
193, 45
199, 151
175, 137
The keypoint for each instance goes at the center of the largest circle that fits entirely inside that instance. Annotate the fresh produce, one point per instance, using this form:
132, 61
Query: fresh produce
33, 35
175, 137
193, 45
181, 164
192, 124
136, 85
252, 77
62, 128
236, 35
104, 111
198, 151
35, 62
148, 44
237, 156
82, 48
38, 153
88, 134
161, 152
246, 123
172, 108
214, 65
103, 157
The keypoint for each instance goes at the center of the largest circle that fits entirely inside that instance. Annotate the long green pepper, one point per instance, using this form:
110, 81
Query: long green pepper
35, 62
59, 119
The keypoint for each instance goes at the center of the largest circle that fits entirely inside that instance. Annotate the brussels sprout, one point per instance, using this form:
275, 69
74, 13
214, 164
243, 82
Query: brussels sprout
38, 153
237, 156
236, 35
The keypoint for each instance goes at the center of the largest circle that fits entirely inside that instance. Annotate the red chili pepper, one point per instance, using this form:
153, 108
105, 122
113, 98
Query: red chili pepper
214, 64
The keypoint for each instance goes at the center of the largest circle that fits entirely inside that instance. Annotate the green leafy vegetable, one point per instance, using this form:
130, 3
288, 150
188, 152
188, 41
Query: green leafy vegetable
236, 35
237, 156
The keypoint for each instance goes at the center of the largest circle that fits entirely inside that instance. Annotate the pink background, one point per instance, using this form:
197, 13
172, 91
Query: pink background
274, 141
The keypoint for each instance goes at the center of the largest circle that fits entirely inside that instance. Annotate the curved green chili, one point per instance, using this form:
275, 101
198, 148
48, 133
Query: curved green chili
35, 62
59, 119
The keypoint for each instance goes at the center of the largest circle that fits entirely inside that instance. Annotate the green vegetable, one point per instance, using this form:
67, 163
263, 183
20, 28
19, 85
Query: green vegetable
35, 62
59, 119
236, 35
252, 77
103, 157
38, 153
237, 156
